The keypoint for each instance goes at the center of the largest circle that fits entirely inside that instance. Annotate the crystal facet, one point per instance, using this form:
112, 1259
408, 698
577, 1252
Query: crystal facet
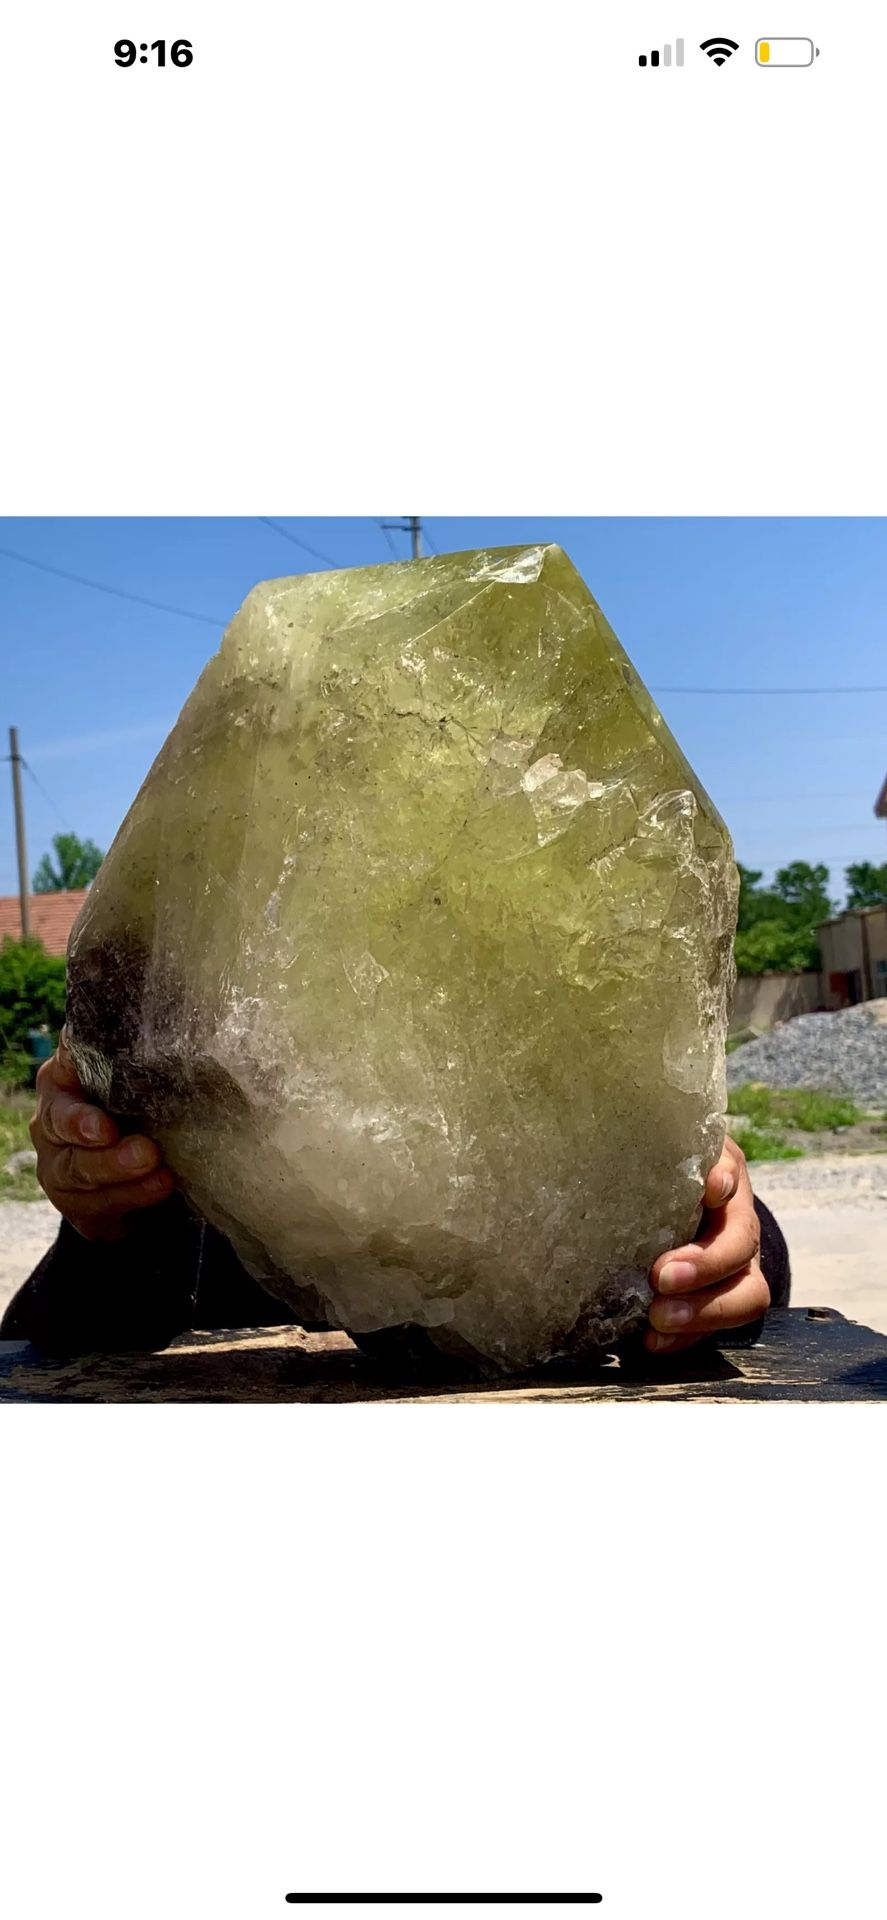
414, 953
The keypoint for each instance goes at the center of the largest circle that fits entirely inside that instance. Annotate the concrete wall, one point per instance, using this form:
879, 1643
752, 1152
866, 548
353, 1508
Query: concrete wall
761, 999
840, 944
852, 946
877, 923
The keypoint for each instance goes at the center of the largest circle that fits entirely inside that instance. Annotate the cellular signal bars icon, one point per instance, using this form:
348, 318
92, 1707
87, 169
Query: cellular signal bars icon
653, 59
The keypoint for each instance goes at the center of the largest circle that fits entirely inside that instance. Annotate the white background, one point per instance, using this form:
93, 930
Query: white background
467, 257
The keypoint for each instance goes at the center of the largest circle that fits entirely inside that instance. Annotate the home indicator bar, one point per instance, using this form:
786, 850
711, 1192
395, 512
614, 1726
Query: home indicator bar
445, 1899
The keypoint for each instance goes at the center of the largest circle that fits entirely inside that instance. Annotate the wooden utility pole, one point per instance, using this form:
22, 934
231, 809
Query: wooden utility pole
23, 887
411, 524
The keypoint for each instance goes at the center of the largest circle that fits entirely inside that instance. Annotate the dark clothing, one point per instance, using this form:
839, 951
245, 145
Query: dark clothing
172, 1273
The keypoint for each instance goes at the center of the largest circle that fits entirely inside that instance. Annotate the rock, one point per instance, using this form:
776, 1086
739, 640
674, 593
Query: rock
21, 1161
414, 953
842, 1052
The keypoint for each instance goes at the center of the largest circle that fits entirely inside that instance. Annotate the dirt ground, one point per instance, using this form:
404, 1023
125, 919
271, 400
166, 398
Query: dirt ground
27, 1228
832, 1209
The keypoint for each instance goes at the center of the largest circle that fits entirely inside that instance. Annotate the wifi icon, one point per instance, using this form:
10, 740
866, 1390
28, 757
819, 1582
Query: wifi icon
719, 49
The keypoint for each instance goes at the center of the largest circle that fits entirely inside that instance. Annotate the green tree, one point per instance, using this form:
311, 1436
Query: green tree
756, 903
866, 884
77, 863
772, 946
32, 994
805, 891
777, 925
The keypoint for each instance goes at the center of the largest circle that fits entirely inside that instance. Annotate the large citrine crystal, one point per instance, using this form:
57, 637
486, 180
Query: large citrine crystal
414, 952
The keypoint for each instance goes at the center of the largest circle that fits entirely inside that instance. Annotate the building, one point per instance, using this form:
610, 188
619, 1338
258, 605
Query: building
854, 947
854, 956
52, 916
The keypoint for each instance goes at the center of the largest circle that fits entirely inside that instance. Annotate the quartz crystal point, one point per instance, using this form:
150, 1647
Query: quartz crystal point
414, 953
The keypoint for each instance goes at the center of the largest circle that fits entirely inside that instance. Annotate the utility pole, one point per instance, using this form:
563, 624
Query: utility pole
411, 524
23, 888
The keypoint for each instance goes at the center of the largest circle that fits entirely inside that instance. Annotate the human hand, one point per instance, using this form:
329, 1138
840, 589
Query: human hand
92, 1176
716, 1282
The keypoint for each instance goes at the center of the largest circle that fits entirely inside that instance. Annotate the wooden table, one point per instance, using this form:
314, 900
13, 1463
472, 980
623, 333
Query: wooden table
804, 1354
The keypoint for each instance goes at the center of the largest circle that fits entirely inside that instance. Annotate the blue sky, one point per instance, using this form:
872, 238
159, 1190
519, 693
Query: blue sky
94, 682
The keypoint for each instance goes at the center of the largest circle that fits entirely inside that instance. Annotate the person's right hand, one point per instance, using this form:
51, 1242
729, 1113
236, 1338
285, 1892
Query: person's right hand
92, 1176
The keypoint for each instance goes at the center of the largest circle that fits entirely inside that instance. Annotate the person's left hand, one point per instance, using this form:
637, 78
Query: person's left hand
716, 1282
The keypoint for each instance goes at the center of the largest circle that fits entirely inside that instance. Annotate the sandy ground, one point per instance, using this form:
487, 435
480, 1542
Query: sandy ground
832, 1210
27, 1228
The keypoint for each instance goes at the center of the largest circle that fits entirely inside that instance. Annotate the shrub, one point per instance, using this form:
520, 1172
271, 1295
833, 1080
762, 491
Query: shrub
14, 1135
774, 947
768, 1146
32, 994
16, 1068
815, 1112
810, 1111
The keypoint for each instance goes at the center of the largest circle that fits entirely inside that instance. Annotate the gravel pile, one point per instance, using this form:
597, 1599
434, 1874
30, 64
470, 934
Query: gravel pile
842, 1052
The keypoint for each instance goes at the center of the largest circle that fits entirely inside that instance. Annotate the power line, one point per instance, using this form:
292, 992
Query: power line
431, 544
47, 796
100, 586
410, 524
285, 533
383, 528
846, 826
789, 690
791, 793
414, 527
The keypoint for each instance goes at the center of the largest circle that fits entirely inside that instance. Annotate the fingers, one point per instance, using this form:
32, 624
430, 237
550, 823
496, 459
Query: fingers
715, 1283
732, 1241
55, 1075
732, 1238
92, 1176
82, 1169
734, 1303
101, 1204
68, 1121
59, 1075
64, 1059
725, 1176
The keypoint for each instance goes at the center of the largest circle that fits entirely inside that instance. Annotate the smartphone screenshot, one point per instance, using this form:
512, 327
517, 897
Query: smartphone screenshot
443, 960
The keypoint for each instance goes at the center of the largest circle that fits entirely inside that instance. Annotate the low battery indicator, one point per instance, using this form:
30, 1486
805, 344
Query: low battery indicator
786, 53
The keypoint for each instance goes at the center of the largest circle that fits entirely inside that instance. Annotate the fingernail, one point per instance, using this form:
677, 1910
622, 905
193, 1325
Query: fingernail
676, 1313
157, 1184
92, 1126
136, 1153
725, 1184
677, 1275
660, 1342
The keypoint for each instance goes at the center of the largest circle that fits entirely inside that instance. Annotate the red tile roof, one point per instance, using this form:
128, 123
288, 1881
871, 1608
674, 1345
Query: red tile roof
52, 917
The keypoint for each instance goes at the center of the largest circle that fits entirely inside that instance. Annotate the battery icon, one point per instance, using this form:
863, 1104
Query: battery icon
786, 53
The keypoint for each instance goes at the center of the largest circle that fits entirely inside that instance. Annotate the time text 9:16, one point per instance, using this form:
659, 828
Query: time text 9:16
128, 52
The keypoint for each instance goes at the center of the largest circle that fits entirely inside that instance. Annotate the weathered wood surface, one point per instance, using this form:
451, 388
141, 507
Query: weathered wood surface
803, 1355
